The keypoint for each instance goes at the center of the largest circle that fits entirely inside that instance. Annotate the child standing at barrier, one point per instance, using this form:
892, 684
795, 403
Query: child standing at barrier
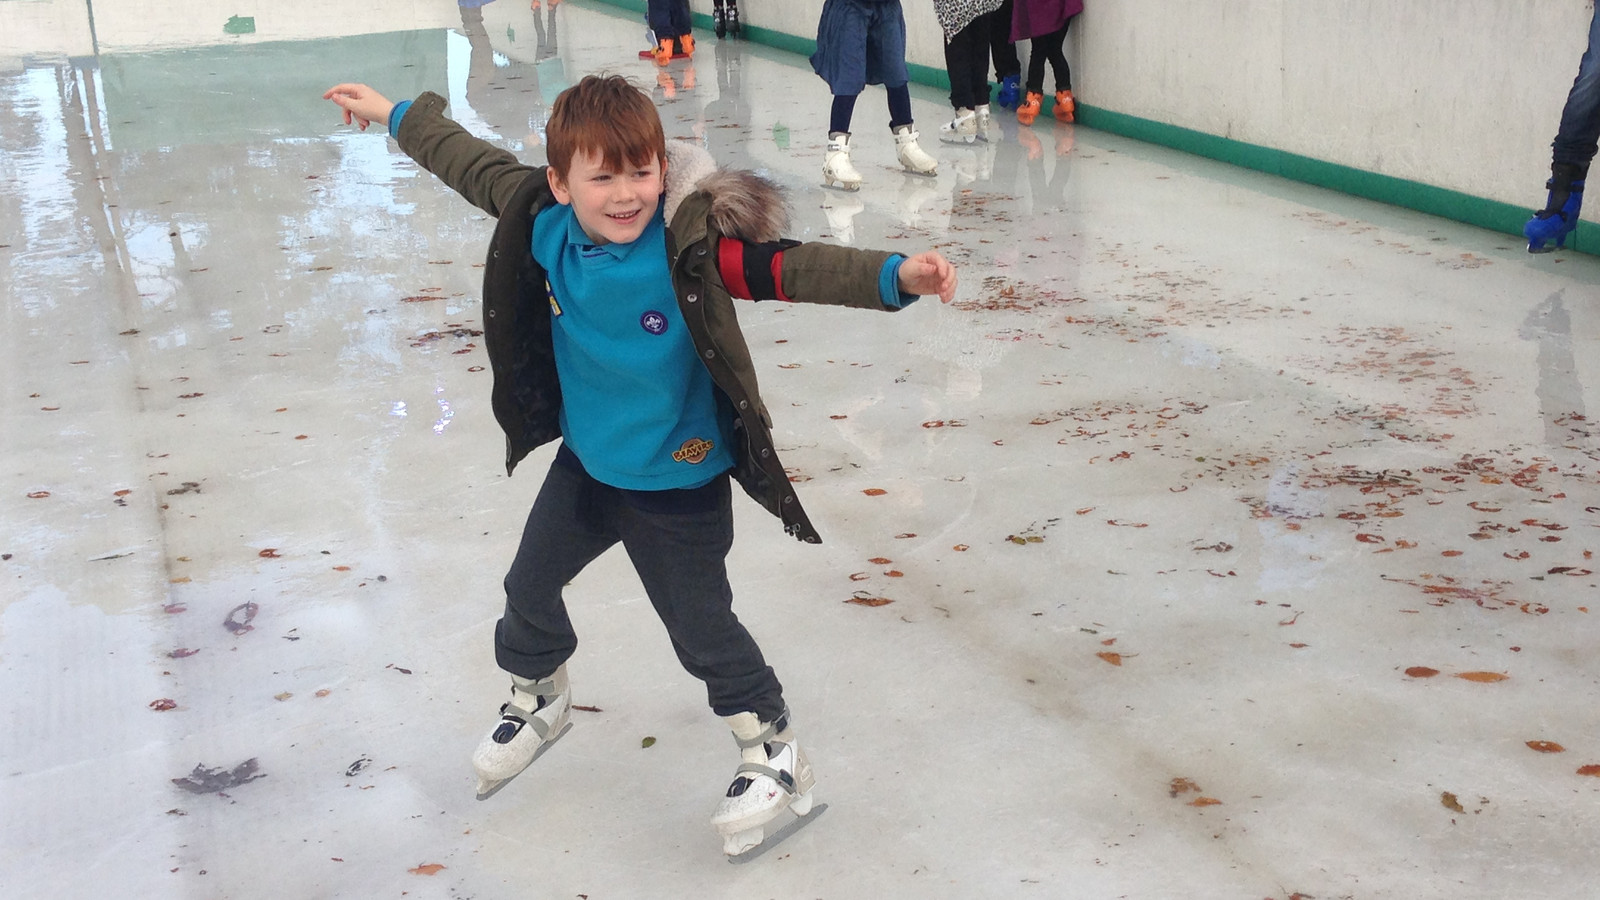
862, 42
1045, 22
967, 25
608, 308
1571, 153
669, 22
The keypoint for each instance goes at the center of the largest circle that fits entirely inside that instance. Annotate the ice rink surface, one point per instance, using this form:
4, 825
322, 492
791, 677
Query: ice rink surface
1226, 538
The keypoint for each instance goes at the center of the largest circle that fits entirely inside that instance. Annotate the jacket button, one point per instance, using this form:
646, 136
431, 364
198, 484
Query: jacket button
789, 499
710, 354
744, 404
491, 313
693, 297
765, 453
700, 252
495, 254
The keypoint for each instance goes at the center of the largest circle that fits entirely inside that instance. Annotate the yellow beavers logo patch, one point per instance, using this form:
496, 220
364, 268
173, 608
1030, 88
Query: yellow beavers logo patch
693, 451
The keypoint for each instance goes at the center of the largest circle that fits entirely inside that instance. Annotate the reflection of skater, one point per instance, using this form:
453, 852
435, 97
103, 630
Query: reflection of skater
502, 110
862, 42
1045, 22
610, 327
1573, 150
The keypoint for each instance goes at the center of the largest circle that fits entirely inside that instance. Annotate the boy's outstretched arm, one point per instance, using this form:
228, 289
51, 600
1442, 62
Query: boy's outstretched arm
360, 103
929, 273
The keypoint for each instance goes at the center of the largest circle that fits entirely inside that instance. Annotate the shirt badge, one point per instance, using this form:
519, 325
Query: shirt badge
653, 322
694, 451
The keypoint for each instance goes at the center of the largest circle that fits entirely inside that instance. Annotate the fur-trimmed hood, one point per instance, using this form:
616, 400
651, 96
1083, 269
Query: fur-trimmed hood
744, 205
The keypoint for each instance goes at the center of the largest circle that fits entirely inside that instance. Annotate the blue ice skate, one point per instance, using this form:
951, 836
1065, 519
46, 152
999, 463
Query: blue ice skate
1010, 92
1548, 229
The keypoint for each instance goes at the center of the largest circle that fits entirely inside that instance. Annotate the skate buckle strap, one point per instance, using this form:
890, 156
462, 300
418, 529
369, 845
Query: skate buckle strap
512, 713
784, 779
767, 733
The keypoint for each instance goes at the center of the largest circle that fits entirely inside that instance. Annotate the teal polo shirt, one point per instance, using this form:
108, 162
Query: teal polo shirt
638, 408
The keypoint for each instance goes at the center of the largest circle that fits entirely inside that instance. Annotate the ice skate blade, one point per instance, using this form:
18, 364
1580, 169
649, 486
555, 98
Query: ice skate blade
848, 187
774, 838
905, 171
487, 789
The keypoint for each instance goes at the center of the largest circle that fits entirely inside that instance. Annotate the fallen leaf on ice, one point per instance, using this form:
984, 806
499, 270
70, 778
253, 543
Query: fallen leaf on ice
1547, 747
1482, 677
427, 869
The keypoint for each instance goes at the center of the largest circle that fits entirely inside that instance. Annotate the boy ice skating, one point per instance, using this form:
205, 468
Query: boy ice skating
610, 324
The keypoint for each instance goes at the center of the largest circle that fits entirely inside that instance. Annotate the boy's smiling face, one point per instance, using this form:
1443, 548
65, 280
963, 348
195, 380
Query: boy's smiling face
612, 207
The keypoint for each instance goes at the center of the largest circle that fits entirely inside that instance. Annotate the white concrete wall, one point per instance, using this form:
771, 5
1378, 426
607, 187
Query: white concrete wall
55, 29
1461, 94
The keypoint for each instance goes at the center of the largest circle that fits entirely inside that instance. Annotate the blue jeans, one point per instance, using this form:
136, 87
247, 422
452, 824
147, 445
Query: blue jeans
1580, 120
669, 18
678, 542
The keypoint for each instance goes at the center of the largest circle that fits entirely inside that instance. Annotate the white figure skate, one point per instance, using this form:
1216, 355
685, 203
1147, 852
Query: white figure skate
911, 155
774, 775
963, 129
836, 167
537, 715
986, 127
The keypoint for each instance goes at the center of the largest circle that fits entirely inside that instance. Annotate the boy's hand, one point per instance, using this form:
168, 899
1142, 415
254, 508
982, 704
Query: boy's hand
361, 104
929, 273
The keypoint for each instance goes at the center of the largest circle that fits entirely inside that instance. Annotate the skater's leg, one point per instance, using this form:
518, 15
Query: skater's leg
1004, 52
911, 155
1575, 142
1038, 52
566, 530
843, 110
1571, 153
563, 534
678, 542
658, 13
899, 105
1065, 106
1033, 97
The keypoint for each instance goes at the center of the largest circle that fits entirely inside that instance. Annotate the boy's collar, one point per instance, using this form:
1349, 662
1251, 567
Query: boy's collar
577, 237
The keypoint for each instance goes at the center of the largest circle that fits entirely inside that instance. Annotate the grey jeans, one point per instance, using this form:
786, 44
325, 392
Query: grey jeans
678, 542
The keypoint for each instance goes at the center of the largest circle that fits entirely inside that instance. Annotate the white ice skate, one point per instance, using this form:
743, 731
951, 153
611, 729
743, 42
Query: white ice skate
963, 129
537, 716
774, 775
986, 127
912, 156
836, 167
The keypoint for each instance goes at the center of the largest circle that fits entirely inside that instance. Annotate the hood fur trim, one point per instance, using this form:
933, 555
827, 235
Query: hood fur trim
744, 205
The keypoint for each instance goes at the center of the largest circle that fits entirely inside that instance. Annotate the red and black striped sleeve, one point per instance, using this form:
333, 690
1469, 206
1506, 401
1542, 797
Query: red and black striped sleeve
753, 271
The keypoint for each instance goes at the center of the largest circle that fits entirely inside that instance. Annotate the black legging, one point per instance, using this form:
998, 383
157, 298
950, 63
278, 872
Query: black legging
966, 58
1048, 47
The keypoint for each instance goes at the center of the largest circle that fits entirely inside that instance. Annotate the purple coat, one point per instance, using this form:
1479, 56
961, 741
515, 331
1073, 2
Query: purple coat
1035, 18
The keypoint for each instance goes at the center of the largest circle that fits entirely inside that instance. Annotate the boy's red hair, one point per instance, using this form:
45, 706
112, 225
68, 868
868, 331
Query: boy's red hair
608, 116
